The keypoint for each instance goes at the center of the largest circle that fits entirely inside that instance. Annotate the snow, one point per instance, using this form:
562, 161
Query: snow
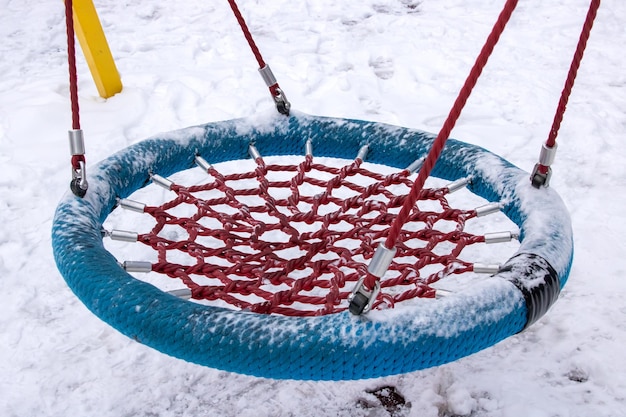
392, 61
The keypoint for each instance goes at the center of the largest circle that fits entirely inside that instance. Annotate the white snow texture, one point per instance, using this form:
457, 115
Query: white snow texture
395, 61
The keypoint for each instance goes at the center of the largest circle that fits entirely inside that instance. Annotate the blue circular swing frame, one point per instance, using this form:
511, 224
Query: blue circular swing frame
332, 347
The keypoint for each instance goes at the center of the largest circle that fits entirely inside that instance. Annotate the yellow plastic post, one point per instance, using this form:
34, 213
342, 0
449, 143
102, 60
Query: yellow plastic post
96, 49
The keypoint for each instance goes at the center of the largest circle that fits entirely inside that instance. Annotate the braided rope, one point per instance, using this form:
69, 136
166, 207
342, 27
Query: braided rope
441, 139
282, 104
71, 58
571, 78
243, 240
246, 33
448, 125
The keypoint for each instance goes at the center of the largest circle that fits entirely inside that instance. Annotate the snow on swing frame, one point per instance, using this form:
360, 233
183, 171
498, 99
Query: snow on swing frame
335, 346
339, 346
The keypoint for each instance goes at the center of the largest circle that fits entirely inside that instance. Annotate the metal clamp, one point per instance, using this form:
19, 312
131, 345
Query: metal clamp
415, 165
487, 209
500, 237
123, 235
361, 300
381, 260
131, 205
458, 184
268, 76
203, 163
282, 104
161, 181
546, 158
183, 293
539, 179
489, 269
547, 155
253, 152
137, 266
363, 151
79, 184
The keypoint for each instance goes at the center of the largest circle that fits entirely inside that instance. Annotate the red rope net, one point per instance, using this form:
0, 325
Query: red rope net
293, 239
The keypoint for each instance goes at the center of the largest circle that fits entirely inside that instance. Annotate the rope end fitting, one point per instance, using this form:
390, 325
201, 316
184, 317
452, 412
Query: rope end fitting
542, 172
540, 179
282, 104
363, 296
79, 184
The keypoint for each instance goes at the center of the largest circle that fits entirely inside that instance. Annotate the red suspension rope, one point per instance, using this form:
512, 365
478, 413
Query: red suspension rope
77, 147
282, 104
573, 71
448, 125
540, 174
246, 33
71, 59
366, 291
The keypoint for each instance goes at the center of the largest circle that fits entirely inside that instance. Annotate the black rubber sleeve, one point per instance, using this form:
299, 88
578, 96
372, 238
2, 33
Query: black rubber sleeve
536, 279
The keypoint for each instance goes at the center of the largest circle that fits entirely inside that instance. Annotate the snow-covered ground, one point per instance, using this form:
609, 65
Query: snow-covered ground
394, 61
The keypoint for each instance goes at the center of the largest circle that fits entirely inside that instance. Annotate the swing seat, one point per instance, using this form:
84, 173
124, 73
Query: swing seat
337, 346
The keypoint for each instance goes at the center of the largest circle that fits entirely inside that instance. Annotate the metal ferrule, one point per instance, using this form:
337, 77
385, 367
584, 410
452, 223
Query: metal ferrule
132, 205
441, 293
547, 155
267, 75
77, 142
137, 266
203, 163
123, 235
254, 152
487, 209
363, 152
308, 147
458, 184
163, 182
499, 237
183, 293
417, 164
381, 260
486, 269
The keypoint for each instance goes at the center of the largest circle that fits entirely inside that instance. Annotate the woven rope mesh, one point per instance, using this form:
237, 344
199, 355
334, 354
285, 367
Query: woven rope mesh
294, 236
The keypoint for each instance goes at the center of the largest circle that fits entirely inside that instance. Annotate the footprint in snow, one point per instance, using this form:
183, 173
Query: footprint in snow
382, 67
